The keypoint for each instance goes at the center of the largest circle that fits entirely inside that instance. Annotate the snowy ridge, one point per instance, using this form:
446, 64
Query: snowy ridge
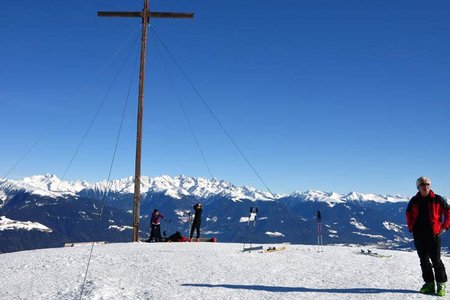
332, 198
8, 224
44, 185
392, 226
175, 187
180, 186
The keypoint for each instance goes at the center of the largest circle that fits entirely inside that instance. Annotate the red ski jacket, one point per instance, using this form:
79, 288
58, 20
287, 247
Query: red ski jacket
437, 206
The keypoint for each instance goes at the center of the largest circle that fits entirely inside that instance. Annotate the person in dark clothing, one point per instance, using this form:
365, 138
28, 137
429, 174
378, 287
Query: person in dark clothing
197, 222
155, 226
424, 219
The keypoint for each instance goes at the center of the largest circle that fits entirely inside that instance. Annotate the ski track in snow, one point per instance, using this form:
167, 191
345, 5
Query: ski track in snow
209, 271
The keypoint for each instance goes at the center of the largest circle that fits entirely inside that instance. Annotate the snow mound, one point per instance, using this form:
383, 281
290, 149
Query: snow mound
210, 271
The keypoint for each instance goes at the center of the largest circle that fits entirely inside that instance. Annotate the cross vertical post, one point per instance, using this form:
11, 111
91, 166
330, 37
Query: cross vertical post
146, 14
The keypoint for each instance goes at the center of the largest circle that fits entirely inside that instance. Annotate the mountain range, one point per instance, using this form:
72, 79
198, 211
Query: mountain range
43, 211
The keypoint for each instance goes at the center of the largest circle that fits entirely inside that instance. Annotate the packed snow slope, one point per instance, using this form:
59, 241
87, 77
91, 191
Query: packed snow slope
209, 271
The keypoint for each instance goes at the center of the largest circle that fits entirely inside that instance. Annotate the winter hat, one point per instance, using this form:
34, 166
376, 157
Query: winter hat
422, 179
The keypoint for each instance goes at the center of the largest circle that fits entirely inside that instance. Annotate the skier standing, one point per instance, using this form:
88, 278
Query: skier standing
424, 220
197, 222
155, 229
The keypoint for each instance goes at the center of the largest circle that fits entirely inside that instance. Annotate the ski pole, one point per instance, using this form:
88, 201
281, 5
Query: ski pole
189, 225
170, 222
252, 218
319, 231
254, 214
248, 225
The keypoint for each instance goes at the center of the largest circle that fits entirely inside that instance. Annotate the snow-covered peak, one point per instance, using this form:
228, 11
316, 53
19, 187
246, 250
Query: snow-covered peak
180, 186
319, 196
332, 198
353, 196
52, 184
176, 187
44, 185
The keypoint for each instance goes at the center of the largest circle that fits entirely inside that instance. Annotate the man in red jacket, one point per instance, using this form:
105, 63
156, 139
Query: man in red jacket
424, 220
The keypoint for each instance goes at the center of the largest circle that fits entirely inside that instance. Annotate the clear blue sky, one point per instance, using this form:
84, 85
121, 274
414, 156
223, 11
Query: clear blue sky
330, 95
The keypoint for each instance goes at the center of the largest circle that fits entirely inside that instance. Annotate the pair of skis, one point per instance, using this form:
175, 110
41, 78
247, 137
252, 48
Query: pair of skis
275, 249
374, 254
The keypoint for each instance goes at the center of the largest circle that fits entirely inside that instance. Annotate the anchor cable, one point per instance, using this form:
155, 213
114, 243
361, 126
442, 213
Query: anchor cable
288, 214
112, 161
94, 118
26, 153
213, 114
184, 110
82, 90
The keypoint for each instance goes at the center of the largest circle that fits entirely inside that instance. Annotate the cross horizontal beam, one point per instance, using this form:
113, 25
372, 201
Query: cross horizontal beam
142, 14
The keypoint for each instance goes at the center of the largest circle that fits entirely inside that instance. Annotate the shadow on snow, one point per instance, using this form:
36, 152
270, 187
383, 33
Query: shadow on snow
285, 289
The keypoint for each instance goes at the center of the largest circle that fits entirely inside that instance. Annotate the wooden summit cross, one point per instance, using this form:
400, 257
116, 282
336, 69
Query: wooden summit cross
145, 14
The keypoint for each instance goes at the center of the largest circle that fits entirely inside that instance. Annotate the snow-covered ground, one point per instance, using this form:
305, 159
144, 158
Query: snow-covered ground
209, 271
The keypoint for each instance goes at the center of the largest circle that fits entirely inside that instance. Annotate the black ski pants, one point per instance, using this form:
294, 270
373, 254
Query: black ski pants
155, 233
429, 248
195, 227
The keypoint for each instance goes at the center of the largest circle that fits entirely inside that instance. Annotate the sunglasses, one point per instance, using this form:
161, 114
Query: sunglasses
424, 184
